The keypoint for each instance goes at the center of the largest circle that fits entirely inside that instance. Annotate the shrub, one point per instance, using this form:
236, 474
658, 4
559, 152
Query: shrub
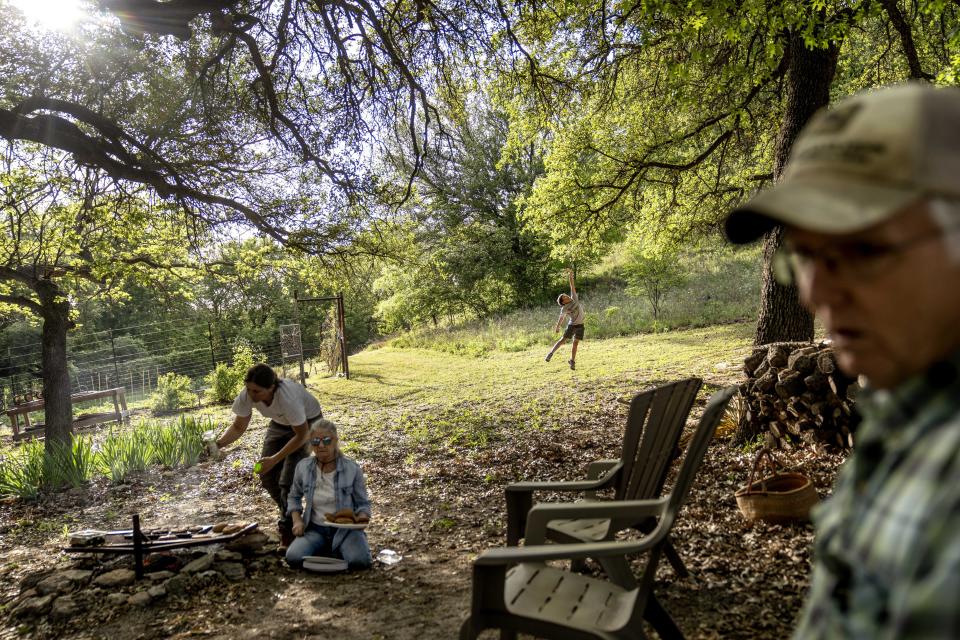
190, 433
111, 459
223, 384
21, 472
655, 275
165, 441
173, 391
124, 453
138, 450
69, 463
225, 381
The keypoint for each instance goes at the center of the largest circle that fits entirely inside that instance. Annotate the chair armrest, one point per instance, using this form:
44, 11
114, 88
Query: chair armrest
572, 485
519, 497
598, 468
544, 552
565, 485
604, 470
623, 514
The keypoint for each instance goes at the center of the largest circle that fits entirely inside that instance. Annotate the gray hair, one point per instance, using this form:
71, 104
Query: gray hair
322, 424
945, 213
318, 425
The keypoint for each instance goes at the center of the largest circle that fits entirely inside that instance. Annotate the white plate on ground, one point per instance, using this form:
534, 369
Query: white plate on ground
360, 525
323, 564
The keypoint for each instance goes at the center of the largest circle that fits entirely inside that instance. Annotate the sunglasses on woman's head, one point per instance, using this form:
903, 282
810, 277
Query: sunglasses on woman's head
325, 441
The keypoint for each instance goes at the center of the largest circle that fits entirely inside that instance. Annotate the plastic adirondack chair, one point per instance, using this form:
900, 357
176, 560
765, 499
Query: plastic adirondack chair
655, 421
516, 591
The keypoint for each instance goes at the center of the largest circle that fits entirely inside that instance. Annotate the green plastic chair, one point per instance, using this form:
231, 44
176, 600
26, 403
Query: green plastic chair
516, 591
655, 421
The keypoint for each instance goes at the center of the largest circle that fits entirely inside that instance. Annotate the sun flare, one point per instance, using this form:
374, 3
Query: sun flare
55, 15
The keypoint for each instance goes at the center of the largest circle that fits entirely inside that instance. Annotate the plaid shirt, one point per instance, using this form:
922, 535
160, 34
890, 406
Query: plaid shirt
888, 541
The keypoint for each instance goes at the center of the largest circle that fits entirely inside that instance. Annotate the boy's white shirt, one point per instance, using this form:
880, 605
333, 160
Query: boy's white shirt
570, 308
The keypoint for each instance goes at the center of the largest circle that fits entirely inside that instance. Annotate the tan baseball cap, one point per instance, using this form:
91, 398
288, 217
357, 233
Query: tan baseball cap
858, 163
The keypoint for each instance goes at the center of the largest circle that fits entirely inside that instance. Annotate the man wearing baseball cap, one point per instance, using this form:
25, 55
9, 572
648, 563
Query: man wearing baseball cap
870, 206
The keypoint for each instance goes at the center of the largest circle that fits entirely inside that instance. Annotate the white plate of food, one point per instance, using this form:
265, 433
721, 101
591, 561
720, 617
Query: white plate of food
344, 519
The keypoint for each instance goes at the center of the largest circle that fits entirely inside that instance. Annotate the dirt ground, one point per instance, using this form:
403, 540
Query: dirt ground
436, 506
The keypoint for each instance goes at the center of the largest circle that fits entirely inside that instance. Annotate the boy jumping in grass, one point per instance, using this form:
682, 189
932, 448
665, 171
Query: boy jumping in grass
571, 309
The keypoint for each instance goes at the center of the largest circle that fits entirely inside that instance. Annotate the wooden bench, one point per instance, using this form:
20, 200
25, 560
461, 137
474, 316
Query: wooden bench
119, 413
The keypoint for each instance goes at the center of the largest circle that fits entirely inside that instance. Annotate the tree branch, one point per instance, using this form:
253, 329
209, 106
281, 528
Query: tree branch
57, 132
906, 40
20, 301
171, 18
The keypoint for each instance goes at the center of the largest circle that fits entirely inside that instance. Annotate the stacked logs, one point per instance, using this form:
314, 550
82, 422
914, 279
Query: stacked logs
794, 395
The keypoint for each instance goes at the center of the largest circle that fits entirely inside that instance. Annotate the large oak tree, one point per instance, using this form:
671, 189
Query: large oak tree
664, 114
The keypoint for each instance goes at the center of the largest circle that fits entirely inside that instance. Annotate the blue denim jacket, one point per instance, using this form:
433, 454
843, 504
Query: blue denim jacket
349, 487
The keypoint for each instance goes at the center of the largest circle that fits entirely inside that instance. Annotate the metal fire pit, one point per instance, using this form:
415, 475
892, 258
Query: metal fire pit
142, 543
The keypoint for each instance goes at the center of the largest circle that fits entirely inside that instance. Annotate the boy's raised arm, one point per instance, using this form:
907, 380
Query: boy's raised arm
573, 289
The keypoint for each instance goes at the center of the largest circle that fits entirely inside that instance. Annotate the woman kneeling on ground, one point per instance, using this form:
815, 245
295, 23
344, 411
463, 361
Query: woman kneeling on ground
327, 482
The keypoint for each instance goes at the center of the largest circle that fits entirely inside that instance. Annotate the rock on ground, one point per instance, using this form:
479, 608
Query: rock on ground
200, 564
35, 606
64, 607
232, 570
115, 578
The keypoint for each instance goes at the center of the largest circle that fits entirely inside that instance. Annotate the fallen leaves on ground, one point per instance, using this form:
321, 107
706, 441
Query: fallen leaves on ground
438, 502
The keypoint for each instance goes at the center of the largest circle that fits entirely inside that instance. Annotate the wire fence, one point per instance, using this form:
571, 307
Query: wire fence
135, 357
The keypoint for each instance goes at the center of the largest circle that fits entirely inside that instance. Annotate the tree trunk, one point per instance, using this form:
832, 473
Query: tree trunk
782, 317
58, 409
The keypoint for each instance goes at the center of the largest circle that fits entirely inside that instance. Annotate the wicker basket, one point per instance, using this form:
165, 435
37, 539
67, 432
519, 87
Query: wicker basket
779, 497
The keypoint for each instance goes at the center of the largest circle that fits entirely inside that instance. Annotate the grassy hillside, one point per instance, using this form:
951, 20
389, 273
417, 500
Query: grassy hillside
440, 400
721, 285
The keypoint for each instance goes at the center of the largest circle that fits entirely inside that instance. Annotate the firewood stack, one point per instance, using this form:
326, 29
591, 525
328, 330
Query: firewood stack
795, 395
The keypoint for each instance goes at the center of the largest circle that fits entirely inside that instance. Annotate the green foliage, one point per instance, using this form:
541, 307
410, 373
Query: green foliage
752, 446
139, 454
226, 381
467, 250
27, 470
110, 458
223, 384
654, 274
21, 471
444, 524
190, 433
669, 111
165, 444
69, 464
123, 453
244, 357
173, 392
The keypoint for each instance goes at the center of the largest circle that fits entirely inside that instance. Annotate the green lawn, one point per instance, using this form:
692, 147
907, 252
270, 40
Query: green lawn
420, 380
445, 400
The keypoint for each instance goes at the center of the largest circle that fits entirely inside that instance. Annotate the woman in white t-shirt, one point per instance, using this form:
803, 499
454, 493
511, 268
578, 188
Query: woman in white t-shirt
291, 409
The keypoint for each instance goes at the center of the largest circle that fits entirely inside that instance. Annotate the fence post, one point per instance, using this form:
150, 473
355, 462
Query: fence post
113, 350
296, 316
341, 322
213, 358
